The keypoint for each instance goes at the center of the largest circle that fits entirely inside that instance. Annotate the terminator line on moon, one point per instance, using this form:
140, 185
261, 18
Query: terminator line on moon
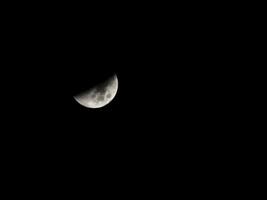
100, 95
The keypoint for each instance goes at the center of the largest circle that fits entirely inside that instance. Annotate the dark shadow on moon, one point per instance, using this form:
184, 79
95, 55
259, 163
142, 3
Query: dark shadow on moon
102, 87
97, 80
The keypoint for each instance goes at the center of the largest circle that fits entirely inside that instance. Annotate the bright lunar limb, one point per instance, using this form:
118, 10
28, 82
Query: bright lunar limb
99, 95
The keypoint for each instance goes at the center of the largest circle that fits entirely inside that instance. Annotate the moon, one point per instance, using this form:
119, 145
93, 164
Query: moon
99, 95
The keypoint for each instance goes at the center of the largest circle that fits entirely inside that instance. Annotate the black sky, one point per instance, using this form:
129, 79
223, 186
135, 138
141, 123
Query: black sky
170, 101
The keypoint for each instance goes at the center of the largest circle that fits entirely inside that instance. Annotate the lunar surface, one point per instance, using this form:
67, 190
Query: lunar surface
100, 95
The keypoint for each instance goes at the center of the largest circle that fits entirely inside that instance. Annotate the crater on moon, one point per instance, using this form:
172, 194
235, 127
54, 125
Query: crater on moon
101, 98
108, 95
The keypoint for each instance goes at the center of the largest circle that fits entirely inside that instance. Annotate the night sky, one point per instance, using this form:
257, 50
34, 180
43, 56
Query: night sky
162, 72
170, 104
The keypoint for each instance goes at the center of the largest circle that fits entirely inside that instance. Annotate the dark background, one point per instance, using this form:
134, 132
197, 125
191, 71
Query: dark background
170, 110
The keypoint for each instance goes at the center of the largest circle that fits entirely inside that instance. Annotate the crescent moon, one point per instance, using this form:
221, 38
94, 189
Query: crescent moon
100, 95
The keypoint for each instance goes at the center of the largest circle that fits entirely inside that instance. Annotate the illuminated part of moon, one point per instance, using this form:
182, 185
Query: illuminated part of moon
99, 95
